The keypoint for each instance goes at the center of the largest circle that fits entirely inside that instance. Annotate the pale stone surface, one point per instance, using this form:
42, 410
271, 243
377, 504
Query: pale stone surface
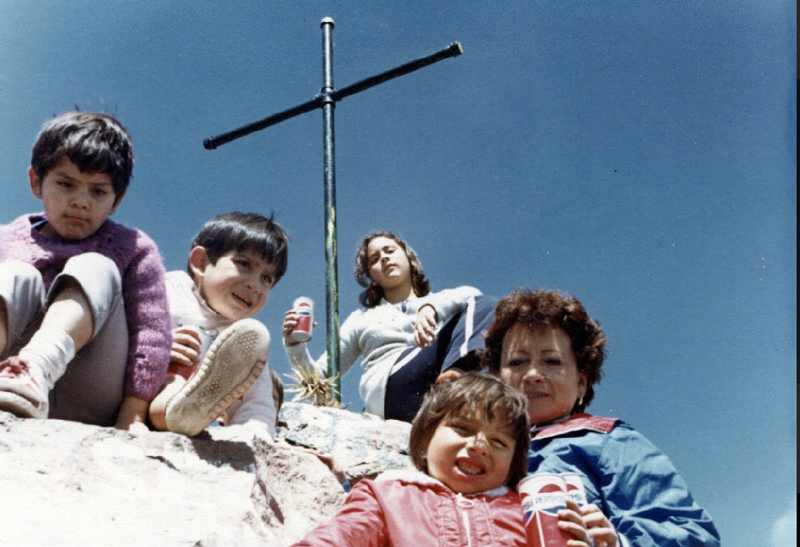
65, 483
362, 444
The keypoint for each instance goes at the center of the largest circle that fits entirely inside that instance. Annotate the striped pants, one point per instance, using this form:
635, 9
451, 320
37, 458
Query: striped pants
455, 345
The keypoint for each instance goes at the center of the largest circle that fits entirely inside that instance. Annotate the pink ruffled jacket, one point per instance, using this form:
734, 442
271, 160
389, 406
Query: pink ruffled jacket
411, 509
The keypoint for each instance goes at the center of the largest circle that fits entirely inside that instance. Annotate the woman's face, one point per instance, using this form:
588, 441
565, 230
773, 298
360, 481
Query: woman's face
388, 264
540, 363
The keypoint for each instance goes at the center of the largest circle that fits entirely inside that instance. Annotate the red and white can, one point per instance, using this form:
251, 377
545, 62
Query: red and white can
304, 306
575, 490
542, 496
207, 336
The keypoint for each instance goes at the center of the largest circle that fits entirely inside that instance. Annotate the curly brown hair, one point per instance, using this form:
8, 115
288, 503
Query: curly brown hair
473, 394
372, 295
556, 309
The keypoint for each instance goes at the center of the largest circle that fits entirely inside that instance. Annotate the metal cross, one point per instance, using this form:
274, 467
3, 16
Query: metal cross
326, 100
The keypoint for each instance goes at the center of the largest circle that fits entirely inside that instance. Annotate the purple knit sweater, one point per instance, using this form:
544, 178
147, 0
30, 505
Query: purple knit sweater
143, 289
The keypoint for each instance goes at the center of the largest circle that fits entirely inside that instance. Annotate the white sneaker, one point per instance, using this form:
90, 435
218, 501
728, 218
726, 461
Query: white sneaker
233, 363
20, 393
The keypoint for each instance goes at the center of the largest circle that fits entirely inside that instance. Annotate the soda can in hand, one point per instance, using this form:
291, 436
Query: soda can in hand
542, 496
304, 306
575, 490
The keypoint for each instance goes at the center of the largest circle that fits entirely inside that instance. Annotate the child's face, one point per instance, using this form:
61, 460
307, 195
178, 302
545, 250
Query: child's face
76, 203
469, 454
389, 266
237, 286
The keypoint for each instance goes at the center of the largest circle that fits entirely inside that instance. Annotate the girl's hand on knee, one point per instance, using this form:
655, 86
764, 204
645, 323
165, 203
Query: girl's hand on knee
570, 521
185, 347
425, 326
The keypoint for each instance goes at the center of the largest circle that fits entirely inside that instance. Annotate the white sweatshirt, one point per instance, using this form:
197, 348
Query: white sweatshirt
188, 308
379, 335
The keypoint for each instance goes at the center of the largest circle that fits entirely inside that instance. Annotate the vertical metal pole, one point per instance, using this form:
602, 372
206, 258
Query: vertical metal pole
329, 160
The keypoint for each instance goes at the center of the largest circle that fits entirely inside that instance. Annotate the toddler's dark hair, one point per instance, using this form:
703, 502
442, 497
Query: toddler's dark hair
474, 394
96, 143
245, 231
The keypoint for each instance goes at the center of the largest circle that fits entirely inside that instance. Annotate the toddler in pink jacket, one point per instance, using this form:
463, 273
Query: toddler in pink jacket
469, 443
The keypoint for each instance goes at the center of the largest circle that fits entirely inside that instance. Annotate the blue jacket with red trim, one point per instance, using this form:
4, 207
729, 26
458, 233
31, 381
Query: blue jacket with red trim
631, 480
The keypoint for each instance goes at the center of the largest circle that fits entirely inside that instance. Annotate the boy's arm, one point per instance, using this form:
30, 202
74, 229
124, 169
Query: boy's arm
132, 411
149, 329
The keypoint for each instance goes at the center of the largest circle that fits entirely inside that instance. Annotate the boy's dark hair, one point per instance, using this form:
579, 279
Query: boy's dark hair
96, 143
245, 231
471, 395
545, 308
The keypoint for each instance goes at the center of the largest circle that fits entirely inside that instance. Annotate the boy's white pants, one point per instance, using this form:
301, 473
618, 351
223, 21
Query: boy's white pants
90, 389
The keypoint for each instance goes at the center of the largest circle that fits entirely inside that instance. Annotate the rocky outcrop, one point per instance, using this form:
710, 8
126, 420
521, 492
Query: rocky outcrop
65, 483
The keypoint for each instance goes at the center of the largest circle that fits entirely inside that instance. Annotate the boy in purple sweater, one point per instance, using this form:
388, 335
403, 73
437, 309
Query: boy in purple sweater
84, 324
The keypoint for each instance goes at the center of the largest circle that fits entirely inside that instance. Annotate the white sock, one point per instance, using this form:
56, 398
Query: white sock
49, 352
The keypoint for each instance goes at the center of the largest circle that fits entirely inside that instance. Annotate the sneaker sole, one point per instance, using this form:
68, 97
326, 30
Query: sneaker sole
20, 406
233, 363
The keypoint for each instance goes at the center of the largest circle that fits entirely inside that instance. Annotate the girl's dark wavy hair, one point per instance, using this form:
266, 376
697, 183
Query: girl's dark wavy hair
372, 294
556, 309
245, 231
472, 395
96, 143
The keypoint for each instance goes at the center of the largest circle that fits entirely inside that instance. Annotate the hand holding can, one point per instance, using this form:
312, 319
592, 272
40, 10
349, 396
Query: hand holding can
542, 496
304, 306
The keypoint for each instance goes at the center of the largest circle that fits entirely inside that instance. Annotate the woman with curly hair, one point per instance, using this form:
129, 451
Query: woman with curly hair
545, 344
405, 334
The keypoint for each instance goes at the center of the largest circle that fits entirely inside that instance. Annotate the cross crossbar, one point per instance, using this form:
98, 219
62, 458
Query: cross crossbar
453, 50
326, 100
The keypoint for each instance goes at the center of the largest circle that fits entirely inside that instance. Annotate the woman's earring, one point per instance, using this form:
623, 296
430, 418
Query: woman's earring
580, 401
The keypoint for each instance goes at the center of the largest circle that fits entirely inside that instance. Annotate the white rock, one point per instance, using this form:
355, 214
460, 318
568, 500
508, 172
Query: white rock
65, 483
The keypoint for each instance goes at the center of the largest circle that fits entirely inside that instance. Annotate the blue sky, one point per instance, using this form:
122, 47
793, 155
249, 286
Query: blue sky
640, 155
